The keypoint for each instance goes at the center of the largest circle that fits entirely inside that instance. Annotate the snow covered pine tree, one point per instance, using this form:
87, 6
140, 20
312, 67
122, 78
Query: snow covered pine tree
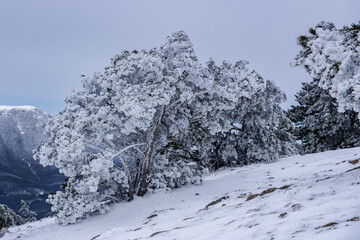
256, 128
318, 124
8, 217
332, 58
26, 213
326, 117
146, 122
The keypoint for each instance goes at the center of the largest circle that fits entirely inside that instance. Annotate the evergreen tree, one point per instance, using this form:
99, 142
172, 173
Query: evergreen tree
257, 123
26, 213
151, 120
325, 118
318, 124
331, 57
8, 217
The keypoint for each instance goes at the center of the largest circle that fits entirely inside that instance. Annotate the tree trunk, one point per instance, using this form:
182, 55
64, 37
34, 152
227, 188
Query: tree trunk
146, 163
131, 192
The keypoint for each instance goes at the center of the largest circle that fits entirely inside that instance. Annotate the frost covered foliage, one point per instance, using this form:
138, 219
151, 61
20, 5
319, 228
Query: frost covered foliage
331, 57
8, 217
258, 129
26, 213
318, 124
154, 120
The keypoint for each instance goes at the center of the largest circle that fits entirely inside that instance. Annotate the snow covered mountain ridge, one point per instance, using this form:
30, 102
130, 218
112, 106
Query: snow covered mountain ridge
24, 107
315, 196
21, 177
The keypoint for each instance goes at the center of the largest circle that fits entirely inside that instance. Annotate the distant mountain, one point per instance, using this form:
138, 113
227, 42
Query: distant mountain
21, 177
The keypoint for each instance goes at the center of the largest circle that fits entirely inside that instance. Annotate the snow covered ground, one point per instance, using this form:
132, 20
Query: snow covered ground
25, 107
314, 196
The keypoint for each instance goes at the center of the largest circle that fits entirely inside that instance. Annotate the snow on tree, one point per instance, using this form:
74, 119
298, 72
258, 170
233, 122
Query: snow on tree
331, 56
8, 217
257, 123
318, 124
104, 139
133, 127
26, 213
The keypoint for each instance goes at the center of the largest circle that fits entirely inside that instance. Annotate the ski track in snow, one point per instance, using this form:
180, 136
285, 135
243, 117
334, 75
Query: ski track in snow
301, 197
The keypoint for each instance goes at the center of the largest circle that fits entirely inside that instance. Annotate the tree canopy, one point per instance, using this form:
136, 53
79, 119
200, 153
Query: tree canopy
159, 119
331, 56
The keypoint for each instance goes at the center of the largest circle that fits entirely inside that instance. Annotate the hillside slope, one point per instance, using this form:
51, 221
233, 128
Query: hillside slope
314, 196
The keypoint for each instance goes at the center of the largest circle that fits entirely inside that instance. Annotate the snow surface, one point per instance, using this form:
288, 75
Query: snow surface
25, 107
319, 199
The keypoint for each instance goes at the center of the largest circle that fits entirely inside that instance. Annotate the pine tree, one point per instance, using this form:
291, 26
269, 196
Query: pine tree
318, 124
325, 118
26, 213
8, 217
257, 126
331, 57
106, 138
150, 120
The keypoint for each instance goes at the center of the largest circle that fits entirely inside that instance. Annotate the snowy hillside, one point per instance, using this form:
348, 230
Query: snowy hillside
21, 177
314, 196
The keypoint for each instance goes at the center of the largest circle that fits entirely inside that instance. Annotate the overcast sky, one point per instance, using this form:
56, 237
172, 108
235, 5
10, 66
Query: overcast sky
45, 45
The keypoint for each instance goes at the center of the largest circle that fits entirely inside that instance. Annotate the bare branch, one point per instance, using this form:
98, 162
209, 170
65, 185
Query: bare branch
129, 147
94, 146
